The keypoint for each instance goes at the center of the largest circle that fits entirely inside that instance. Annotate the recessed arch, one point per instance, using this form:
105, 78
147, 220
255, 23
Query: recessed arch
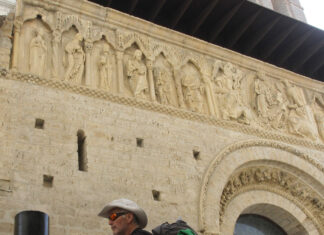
141, 42
270, 205
41, 15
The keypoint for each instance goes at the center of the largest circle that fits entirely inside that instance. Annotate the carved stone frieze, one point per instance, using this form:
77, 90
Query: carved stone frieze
276, 180
176, 76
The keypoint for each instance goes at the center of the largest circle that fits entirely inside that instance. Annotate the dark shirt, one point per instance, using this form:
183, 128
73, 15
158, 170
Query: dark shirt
139, 231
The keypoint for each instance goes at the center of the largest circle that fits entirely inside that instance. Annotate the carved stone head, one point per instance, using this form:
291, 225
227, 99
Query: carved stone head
138, 54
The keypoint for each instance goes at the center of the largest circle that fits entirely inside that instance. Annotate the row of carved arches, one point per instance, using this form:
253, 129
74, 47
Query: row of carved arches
262, 178
67, 54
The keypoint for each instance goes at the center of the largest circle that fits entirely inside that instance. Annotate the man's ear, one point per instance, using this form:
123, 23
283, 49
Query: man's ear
129, 217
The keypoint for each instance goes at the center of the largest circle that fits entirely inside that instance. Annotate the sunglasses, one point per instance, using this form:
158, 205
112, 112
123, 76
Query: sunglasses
114, 216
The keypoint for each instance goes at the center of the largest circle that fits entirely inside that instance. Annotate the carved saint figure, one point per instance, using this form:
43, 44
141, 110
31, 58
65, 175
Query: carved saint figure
163, 85
319, 117
227, 89
262, 95
103, 66
76, 59
300, 121
192, 92
37, 54
278, 112
136, 74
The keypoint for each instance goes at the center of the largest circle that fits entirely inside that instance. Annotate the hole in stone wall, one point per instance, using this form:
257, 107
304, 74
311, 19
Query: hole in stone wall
39, 123
48, 180
156, 195
196, 154
82, 151
139, 142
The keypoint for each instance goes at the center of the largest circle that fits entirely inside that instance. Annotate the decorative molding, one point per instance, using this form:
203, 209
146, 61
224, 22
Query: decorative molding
279, 182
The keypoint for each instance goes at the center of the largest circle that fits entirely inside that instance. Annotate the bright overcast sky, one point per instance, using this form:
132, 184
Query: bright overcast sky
314, 11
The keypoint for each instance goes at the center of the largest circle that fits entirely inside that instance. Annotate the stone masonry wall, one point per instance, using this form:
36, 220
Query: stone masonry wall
184, 128
116, 166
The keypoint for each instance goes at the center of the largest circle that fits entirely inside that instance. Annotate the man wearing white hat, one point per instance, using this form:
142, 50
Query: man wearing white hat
125, 217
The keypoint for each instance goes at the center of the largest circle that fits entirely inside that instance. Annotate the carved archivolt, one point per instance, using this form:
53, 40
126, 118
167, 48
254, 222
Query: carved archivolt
277, 181
235, 147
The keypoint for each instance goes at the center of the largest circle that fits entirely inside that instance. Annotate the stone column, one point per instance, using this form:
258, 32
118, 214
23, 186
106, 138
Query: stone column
55, 57
178, 77
149, 65
210, 95
120, 71
88, 48
17, 29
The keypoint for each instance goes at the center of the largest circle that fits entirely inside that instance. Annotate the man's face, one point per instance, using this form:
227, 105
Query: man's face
120, 225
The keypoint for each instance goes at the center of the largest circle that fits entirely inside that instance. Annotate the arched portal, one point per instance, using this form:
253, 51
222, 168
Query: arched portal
255, 224
275, 208
250, 176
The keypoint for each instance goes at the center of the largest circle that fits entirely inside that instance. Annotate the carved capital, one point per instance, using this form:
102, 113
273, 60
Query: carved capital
17, 25
120, 40
149, 64
57, 36
88, 46
119, 55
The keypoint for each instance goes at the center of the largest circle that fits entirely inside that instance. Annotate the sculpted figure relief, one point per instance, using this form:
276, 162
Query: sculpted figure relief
163, 85
103, 67
278, 112
300, 121
136, 74
263, 95
192, 92
76, 59
37, 54
270, 105
227, 81
319, 117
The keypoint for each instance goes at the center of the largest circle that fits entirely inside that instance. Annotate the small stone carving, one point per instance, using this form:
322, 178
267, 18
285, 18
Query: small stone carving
227, 88
136, 74
103, 67
76, 59
262, 95
192, 92
37, 54
319, 117
300, 116
163, 85
278, 112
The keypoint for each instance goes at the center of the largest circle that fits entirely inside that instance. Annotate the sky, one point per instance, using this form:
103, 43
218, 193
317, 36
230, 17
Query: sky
314, 12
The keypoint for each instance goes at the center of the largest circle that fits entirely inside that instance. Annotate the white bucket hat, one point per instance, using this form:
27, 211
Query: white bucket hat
128, 205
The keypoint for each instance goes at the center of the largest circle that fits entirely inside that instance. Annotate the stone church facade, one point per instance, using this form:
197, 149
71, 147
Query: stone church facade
98, 105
